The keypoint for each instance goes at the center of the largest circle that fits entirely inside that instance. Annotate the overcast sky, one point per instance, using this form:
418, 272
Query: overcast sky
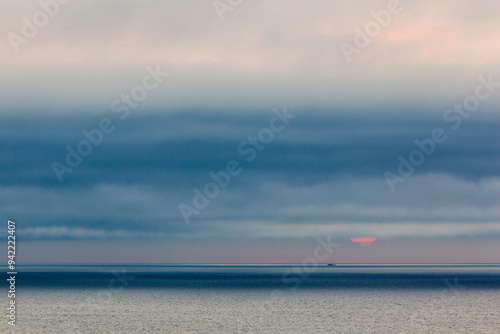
322, 173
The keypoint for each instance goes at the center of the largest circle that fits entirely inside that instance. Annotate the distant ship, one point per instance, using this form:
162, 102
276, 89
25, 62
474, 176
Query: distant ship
331, 264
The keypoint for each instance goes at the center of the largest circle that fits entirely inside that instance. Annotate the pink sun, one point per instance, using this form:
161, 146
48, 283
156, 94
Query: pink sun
365, 241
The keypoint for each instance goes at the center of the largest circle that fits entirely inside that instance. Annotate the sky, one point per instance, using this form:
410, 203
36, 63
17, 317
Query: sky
251, 131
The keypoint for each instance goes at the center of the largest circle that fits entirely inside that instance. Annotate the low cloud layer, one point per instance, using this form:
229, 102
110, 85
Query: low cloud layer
323, 172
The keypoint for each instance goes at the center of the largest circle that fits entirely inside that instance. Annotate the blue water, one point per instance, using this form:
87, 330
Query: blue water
265, 298
260, 276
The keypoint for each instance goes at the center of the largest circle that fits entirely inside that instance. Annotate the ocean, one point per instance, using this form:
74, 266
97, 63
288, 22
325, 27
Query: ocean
278, 298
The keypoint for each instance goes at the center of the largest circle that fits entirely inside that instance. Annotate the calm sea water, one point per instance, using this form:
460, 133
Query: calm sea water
258, 299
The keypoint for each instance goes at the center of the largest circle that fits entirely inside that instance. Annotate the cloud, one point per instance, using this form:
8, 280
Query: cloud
261, 207
91, 52
57, 233
182, 148
305, 36
323, 174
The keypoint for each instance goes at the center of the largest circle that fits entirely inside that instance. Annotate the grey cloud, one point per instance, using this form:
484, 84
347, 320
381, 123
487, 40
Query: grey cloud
322, 174
182, 148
